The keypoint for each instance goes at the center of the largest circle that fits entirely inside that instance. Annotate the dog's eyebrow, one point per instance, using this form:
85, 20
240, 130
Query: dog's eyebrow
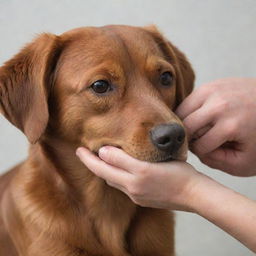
154, 63
110, 71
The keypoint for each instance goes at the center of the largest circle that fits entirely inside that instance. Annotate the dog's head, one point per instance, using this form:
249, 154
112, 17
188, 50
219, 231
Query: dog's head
114, 85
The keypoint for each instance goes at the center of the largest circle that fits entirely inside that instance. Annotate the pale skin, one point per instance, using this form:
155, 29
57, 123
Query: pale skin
220, 113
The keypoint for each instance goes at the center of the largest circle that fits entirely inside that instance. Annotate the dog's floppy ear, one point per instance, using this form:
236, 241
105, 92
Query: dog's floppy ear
24, 85
187, 76
185, 73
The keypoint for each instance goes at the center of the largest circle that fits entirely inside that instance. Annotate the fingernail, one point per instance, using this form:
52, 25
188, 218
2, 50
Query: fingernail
103, 151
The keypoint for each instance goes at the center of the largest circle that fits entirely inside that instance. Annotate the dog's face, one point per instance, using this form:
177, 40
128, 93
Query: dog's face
115, 85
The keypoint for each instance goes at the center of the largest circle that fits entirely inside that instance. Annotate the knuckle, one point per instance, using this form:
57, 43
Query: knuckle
232, 129
207, 88
187, 122
143, 169
204, 88
134, 189
221, 106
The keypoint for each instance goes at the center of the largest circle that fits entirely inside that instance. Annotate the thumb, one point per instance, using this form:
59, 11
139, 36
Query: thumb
118, 158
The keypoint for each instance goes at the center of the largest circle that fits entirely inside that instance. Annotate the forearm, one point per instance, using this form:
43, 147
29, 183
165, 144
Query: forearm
231, 211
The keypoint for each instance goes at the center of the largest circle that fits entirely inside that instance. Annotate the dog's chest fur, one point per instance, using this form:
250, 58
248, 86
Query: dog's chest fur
106, 223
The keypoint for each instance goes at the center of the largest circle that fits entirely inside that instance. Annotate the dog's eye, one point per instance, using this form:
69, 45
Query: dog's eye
166, 79
101, 86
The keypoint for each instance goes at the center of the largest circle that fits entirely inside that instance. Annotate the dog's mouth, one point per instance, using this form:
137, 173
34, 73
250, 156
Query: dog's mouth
157, 158
167, 159
171, 157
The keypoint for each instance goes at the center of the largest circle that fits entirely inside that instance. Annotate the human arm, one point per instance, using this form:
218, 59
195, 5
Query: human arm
220, 118
176, 186
227, 209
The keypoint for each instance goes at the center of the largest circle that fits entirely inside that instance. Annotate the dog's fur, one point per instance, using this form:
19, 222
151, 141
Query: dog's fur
51, 204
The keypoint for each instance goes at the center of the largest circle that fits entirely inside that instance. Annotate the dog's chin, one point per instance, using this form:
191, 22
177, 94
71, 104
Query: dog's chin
160, 159
167, 158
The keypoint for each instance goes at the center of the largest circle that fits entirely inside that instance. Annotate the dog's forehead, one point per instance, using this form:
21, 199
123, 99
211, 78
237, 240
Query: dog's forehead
117, 49
136, 39
114, 41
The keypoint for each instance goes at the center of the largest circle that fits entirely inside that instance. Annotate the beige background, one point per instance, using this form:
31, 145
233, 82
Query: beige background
219, 37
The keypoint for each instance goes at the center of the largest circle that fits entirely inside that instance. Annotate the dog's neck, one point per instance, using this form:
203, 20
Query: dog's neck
61, 175
58, 157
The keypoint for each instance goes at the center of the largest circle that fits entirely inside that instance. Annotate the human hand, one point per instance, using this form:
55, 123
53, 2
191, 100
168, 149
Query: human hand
166, 185
176, 186
220, 118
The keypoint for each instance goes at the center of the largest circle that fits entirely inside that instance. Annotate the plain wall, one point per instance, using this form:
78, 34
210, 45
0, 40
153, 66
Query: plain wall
219, 38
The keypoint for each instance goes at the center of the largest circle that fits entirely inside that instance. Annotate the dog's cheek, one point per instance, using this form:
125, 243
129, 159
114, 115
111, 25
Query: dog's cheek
69, 118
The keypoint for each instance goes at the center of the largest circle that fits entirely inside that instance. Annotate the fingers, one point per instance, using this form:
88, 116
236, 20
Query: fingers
212, 139
114, 177
193, 102
223, 159
198, 120
215, 159
201, 132
107, 172
229, 160
120, 159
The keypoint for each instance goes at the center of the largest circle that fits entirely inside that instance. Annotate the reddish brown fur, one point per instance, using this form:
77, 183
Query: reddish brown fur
51, 204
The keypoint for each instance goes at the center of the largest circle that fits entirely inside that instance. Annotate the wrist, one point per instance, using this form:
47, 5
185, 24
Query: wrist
187, 189
199, 193
207, 196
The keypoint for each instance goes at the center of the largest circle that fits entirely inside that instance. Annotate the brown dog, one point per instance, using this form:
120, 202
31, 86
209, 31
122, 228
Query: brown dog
114, 85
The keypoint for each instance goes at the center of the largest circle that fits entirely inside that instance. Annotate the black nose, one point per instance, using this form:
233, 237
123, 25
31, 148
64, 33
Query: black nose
168, 137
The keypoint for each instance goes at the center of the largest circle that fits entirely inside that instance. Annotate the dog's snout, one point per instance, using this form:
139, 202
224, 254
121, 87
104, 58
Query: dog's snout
168, 137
